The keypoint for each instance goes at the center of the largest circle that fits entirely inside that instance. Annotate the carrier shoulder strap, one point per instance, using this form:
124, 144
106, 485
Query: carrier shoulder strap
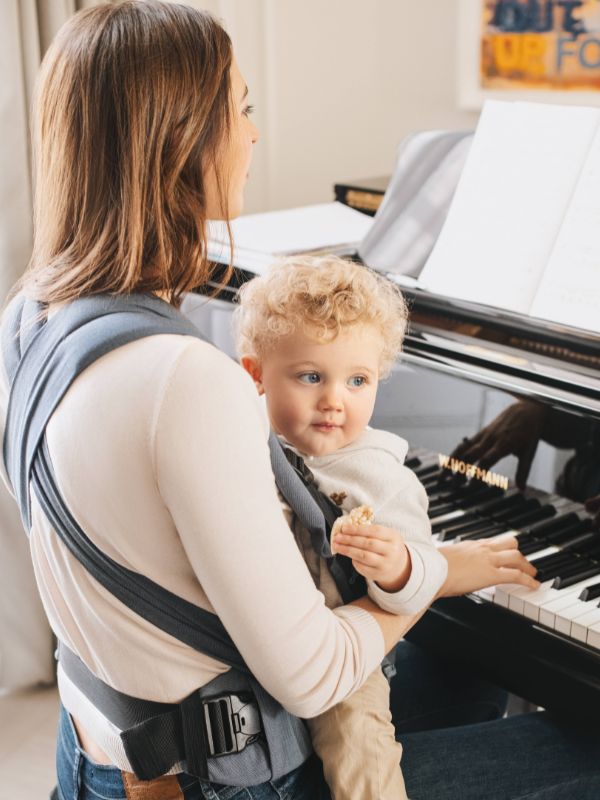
42, 361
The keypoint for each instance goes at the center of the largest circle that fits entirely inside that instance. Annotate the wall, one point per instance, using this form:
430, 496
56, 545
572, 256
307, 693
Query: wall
338, 84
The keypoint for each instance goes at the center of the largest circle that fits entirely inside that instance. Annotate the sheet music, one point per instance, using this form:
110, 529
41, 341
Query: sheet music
569, 291
521, 172
295, 230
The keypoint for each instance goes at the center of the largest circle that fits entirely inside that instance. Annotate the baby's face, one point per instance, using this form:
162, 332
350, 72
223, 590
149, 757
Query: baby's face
320, 396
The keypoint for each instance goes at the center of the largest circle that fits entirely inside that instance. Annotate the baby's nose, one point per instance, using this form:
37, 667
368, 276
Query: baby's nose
331, 400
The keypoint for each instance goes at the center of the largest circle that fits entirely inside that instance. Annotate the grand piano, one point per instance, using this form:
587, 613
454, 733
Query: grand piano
463, 364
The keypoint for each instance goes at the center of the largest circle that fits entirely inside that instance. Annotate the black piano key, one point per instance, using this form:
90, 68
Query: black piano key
589, 547
570, 537
574, 576
590, 592
562, 557
548, 526
531, 504
444, 482
591, 555
508, 501
472, 499
535, 515
530, 546
477, 497
470, 526
487, 533
505, 520
440, 498
481, 509
491, 530
424, 472
558, 568
413, 462
441, 509
448, 494
568, 534
580, 564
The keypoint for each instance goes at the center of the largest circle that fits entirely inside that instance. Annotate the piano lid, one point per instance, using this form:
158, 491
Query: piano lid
494, 347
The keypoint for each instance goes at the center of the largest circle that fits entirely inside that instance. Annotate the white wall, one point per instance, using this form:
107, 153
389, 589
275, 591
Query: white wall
338, 84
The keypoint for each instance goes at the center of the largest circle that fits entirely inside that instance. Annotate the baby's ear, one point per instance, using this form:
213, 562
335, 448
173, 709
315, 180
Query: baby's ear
252, 366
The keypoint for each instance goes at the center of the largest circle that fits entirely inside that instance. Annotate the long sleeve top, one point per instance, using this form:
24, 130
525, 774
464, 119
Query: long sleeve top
371, 471
160, 451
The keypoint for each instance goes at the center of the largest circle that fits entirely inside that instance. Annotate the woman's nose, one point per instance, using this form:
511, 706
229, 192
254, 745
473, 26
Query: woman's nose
254, 133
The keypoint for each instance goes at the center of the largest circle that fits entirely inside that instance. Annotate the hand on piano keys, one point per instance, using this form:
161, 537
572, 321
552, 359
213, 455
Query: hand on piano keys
555, 535
475, 565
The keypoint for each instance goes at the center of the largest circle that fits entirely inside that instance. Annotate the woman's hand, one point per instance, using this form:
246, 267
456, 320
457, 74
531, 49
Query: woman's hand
516, 431
473, 565
377, 552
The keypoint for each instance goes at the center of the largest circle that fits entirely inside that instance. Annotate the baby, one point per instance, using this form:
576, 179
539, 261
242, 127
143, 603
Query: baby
317, 334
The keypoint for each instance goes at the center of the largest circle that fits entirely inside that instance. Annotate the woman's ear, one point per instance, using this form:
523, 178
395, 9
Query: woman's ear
252, 366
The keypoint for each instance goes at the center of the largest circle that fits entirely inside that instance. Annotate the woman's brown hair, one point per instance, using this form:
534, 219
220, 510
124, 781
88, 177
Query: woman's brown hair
133, 105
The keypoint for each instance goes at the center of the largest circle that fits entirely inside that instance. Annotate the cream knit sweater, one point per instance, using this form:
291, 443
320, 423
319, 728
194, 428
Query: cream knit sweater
370, 471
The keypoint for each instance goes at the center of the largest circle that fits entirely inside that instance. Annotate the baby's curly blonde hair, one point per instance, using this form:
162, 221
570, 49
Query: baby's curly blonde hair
320, 296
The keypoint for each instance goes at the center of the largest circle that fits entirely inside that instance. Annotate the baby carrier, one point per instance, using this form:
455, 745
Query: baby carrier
231, 730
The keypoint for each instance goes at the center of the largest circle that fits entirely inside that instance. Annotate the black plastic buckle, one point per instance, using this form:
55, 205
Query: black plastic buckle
232, 722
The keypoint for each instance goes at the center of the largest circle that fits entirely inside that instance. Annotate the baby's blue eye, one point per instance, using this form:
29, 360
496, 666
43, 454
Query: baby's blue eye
357, 380
309, 377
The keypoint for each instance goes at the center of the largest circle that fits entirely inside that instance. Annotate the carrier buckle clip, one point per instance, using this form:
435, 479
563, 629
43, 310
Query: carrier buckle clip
232, 722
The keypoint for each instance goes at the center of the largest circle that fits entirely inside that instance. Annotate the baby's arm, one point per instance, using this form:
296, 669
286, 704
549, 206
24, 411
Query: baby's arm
402, 525
405, 510
376, 476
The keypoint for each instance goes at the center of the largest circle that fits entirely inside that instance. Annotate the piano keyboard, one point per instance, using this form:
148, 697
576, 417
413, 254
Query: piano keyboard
554, 533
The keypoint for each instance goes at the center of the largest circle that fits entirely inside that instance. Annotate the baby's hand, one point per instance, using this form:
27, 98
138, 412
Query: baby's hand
378, 553
473, 565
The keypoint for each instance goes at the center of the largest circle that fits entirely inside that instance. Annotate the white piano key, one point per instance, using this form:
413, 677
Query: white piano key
502, 594
564, 598
593, 638
541, 600
518, 599
581, 626
509, 594
566, 617
487, 594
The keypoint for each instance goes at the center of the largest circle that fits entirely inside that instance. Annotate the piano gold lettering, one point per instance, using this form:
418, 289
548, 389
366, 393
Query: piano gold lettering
455, 465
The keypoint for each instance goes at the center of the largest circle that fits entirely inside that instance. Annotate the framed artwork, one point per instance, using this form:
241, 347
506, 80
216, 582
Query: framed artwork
542, 50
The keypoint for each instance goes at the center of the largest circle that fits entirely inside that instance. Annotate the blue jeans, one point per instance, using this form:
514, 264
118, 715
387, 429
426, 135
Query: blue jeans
456, 745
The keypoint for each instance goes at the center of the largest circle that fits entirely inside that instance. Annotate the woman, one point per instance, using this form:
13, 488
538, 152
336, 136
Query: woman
160, 447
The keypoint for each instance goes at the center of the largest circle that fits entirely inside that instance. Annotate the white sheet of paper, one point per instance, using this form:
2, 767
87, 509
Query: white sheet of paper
296, 230
512, 196
569, 291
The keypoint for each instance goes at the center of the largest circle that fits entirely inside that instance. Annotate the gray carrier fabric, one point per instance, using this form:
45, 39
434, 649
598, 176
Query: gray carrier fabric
42, 360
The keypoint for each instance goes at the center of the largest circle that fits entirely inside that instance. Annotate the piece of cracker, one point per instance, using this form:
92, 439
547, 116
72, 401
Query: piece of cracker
361, 515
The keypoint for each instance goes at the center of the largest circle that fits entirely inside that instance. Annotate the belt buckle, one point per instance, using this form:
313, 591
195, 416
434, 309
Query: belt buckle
232, 722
